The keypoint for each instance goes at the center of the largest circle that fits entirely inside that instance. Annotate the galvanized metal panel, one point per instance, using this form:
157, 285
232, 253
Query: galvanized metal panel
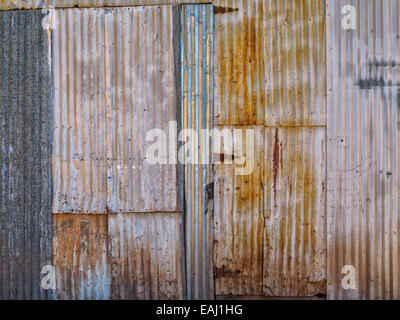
79, 153
197, 109
35, 4
270, 62
141, 96
80, 257
294, 211
238, 219
147, 256
363, 149
25, 155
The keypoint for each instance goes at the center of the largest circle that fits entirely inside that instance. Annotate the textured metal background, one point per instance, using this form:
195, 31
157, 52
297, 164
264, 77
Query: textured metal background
81, 257
270, 75
25, 155
79, 84
147, 255
196, 106
141, 95
363, 149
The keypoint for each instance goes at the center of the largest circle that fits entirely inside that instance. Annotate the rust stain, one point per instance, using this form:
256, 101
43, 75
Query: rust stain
275, 161
222, 10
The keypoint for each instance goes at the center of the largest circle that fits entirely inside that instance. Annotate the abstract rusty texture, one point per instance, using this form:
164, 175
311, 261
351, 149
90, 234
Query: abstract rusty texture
363, 149
269, 235
25, 155
81, 257
147, 255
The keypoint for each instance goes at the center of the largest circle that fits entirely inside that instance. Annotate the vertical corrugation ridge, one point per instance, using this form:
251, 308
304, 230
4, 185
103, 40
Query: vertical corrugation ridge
197, 107
25, 151
363, 174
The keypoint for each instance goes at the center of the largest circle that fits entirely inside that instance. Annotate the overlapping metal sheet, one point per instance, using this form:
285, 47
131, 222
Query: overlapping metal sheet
81, 257
363, 149
197, 108
36, 4
294, 211
270, 62
25, 155
79, 153
270, 71
141, 99
147, 256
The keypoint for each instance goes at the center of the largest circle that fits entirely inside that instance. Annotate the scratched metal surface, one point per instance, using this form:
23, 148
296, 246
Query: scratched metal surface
363, 149
25, 155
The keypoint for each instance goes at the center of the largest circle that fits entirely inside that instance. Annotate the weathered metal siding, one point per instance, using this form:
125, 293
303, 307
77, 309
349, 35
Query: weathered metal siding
238, 220
294, 211
79, 153
141, 96
196, 107
80, 257
363, 149
147, 256
35, 4
25, 155
270, 62
270, 72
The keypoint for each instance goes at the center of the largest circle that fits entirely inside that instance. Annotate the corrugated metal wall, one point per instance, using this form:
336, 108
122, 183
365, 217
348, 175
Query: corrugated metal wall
270, 76
25, 155
115, 79
35, 4
197, 107
363, 149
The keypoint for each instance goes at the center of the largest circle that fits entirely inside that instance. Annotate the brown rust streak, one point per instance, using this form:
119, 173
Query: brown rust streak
275, 161
222, 10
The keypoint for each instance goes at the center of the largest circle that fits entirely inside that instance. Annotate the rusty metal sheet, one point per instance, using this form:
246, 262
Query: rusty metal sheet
37, 4
80, 257
363, 150
79, 153
141, 96
25, 155
196, 105
294, 212
147, 256
270, 62
238, 218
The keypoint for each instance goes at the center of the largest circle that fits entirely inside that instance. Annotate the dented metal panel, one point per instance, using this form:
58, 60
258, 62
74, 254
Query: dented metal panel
80, 257
270, 62
147, 256
25, 155
197, 109
79, 153
294, 211
141, 110
36, 4
363, 149
238, 216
